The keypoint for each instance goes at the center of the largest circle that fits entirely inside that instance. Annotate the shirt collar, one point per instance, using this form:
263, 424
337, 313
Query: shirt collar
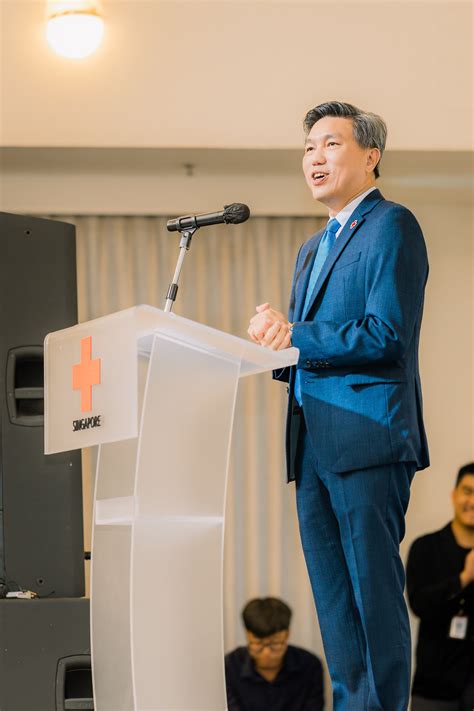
347, 211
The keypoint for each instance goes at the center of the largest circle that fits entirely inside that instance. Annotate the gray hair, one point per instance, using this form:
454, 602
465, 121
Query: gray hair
370, 130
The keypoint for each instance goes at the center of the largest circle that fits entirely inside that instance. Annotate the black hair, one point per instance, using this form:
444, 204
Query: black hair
466, 469
370, 130
265, 616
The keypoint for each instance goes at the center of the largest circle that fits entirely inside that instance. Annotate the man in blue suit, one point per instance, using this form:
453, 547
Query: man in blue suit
355, 434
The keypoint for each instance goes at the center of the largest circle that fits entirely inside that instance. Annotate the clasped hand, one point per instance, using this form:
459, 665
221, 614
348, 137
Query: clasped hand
467, 575
270, 328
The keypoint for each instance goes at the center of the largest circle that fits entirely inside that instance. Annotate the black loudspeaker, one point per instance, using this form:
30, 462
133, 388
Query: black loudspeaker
74, 683
45, 655
41, 529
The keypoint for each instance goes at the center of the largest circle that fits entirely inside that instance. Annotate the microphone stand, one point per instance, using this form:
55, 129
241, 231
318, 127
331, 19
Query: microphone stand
184, 245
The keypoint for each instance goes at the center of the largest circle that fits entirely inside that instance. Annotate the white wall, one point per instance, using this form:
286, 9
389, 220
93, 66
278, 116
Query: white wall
157, 181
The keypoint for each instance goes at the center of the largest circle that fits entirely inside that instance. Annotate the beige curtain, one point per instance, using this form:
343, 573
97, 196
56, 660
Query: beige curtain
123, 261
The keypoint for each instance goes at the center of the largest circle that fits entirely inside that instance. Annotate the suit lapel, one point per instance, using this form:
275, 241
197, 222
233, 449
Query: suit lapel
350, 228
302, 278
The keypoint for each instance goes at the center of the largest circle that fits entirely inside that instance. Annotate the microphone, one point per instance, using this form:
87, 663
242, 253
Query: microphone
231, 214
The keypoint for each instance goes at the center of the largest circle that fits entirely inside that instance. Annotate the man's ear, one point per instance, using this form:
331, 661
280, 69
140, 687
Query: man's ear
373, 159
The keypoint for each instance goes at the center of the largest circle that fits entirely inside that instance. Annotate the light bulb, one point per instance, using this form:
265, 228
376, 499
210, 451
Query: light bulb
75, 35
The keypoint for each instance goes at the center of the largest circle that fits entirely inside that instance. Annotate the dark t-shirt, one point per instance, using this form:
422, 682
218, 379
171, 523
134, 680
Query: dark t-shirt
443, 665
297, 687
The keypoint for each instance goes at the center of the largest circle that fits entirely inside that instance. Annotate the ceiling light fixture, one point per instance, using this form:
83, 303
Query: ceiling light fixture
75, 28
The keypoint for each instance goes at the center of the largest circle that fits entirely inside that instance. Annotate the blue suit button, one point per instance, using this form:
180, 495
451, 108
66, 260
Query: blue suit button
308, 364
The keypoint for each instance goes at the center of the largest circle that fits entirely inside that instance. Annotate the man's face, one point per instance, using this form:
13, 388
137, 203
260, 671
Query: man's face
463, 500
268, 652
335, 167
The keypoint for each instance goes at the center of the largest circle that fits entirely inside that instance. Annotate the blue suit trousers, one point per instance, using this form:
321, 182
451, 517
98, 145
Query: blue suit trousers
351, 525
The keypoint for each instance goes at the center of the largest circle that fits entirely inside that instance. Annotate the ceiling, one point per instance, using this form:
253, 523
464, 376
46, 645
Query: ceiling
239, 74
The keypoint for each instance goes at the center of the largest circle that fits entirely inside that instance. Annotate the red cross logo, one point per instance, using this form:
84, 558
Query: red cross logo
86, 374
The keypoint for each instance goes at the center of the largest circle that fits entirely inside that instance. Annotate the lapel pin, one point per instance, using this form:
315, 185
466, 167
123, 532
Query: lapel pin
353, 224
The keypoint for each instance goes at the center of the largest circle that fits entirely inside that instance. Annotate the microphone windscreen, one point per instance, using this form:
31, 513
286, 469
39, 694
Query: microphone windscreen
236, 213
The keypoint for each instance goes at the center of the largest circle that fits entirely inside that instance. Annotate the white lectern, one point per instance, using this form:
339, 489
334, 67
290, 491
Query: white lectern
157, 393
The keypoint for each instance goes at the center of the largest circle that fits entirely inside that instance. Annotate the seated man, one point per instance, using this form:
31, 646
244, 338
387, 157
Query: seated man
440, 586
269, 674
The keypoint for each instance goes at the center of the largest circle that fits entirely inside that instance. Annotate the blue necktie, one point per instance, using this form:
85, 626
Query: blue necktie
325, 246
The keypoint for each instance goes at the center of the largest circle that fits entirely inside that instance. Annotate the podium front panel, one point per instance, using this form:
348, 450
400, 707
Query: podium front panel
178, 530
91, 383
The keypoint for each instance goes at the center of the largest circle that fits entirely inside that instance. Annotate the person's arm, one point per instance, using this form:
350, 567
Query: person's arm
283, 374
429, 597
467, 575
232, 701
270, 327
397, 270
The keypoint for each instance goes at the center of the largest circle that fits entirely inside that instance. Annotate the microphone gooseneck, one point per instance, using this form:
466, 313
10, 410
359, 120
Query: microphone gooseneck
187, 226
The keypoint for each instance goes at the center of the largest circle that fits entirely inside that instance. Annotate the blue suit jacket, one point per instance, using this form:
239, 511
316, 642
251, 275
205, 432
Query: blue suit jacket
358, 342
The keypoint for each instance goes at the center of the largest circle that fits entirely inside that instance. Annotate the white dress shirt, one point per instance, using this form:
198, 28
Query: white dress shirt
347, 211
